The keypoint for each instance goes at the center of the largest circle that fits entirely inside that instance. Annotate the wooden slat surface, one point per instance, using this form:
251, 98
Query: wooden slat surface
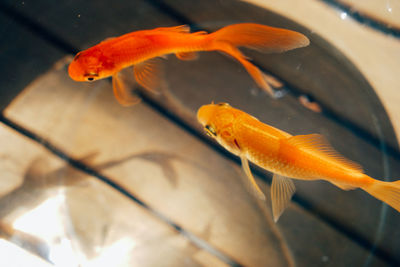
107, 227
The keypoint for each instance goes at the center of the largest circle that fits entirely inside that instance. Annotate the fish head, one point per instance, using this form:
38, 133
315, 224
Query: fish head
90, 65
218, 121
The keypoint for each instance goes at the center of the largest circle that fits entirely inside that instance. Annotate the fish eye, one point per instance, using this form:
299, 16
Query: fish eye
210, 131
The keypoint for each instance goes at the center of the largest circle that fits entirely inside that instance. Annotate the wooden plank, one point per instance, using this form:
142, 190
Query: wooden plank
66, 216
170, 171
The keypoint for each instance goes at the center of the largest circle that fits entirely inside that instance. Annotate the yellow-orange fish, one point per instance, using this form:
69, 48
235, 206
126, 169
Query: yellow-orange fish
305, 157
140, 48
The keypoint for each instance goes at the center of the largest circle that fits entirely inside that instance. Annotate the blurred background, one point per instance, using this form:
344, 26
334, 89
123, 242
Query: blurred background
87, 182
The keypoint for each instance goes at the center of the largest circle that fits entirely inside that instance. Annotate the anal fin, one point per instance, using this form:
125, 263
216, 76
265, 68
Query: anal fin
251, 182
343, 186
282, 190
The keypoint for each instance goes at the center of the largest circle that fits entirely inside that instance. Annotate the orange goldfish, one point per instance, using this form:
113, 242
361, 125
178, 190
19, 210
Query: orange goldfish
140, 48
305, 157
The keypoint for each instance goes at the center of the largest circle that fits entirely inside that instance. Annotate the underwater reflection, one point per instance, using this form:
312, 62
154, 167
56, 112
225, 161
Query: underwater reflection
42, 195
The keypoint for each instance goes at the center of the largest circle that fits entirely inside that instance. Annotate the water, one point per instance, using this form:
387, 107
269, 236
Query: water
95, 183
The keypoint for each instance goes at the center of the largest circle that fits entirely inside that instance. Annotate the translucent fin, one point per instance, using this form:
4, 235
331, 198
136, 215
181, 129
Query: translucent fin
122, 93
272, 80
187, 55
319, 144
181, 28
148, 74
263, 80
388, 192
343, 186
261, 37
251, 182
282, 190
108, 39
199, 33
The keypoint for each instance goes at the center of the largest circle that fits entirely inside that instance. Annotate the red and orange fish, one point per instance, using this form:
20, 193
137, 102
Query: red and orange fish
140, 48
305, 157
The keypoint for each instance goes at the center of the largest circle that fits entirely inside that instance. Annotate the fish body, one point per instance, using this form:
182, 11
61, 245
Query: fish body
115, 54
140, 48
305, 157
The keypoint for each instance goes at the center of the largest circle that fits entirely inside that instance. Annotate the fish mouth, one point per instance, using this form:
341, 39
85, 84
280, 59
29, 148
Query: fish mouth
74, 72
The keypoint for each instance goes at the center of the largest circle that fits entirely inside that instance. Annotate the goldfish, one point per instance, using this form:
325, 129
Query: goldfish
304, 157
141, 49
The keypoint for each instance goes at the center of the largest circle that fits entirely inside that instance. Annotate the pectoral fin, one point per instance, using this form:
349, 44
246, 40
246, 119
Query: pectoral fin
149, 74
187, 55
282, 190
251, 182
122, 93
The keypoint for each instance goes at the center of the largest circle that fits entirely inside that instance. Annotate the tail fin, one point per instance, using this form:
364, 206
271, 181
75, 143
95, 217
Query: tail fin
388, 192
259, 37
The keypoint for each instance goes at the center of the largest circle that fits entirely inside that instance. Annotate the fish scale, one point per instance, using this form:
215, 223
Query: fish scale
272, 164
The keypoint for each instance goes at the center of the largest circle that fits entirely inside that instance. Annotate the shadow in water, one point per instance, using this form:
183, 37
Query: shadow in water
36, 187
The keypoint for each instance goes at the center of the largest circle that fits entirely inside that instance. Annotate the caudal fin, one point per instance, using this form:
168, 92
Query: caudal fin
259, 37
388, 192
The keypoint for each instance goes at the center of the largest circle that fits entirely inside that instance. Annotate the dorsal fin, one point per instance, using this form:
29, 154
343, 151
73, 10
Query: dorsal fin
108, 39
318, 143
181, 28
200, 33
